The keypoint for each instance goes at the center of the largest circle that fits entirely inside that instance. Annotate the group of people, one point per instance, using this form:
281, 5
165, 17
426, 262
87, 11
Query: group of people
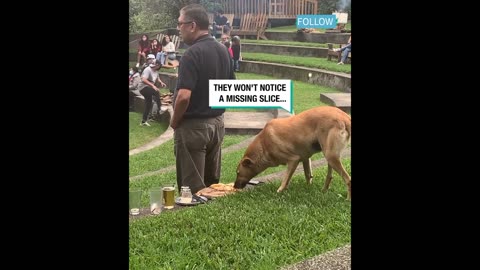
160, 51
234, 49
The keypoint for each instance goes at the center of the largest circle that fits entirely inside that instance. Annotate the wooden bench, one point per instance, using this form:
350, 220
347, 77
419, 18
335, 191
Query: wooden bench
176, 41
331, 53
252, 24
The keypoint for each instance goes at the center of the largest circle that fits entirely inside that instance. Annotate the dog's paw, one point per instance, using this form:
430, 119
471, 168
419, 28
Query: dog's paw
279, 189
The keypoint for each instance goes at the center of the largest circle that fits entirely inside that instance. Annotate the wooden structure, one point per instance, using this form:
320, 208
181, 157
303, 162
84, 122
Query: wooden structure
275, 9
252, 24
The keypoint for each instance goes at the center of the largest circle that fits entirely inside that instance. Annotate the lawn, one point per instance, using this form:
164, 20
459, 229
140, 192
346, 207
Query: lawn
163, 156
312, 62
305, 95
285, 43
255, 229
140, 135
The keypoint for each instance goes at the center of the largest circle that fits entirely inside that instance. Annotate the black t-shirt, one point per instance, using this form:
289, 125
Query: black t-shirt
236, 51
204, 60
221, 20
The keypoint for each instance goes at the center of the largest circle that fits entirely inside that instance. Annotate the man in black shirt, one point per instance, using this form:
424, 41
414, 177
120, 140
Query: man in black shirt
199, 129
221, 22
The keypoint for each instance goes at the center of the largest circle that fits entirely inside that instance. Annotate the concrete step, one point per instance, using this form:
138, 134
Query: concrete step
339, 100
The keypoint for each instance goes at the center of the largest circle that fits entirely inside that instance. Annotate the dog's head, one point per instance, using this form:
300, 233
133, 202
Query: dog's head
245, 172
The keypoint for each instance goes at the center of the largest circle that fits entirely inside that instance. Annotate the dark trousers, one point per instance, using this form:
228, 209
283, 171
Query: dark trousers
197, 147
149, 93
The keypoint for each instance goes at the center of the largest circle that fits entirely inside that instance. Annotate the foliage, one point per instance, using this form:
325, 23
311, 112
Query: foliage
329, 6
148, 15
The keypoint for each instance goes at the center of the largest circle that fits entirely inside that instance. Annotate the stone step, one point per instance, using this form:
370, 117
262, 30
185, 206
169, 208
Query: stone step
339, 100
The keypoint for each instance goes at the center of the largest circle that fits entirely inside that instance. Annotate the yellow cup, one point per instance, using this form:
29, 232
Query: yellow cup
168, 196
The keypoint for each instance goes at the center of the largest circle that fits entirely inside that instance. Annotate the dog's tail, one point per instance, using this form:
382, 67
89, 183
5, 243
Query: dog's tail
348, 127
345, 127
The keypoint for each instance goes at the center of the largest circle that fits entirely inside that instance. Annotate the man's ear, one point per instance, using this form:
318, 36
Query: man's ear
246, 162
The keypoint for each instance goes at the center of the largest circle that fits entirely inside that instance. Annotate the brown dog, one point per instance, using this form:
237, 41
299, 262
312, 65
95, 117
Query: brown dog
296, 138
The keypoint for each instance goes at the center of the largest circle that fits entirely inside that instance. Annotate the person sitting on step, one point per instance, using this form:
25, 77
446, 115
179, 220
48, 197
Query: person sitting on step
143, 49
168, 50
345, 51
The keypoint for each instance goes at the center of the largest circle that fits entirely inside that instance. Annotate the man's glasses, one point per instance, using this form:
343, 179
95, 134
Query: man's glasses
181, 23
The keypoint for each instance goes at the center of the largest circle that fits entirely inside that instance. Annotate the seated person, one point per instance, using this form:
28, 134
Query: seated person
143, 49
345, 51
134, 78
220, 22
168, 50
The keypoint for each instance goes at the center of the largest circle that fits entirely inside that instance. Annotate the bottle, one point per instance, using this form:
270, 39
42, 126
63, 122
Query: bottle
186, 195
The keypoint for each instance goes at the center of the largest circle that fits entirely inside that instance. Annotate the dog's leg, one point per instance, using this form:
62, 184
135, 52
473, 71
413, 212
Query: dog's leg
291, 166
334, 161
307, 169
328, 179
335, 144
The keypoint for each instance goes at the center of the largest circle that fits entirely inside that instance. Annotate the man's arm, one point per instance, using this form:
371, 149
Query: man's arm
160, 81
181, 104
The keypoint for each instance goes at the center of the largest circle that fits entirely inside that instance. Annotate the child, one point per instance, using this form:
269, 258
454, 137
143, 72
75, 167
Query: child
236, 49
230, 52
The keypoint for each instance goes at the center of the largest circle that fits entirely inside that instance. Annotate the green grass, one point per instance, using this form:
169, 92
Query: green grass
286, 43
140, 135
255, 229
305, 95
163, 156
312, 62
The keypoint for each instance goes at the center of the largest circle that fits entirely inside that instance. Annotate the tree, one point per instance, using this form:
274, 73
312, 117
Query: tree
329, 6
151, 15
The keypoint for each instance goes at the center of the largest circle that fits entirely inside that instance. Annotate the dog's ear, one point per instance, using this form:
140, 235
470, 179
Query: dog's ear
246, 162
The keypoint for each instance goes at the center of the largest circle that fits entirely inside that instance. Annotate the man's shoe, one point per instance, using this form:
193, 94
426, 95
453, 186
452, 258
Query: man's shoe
145, 124
340, 63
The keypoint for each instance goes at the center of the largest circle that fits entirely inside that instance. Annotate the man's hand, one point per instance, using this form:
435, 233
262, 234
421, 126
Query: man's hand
173, 124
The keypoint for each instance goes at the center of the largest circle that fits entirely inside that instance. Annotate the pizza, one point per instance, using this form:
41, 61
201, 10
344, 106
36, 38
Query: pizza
217, 190
223, 187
